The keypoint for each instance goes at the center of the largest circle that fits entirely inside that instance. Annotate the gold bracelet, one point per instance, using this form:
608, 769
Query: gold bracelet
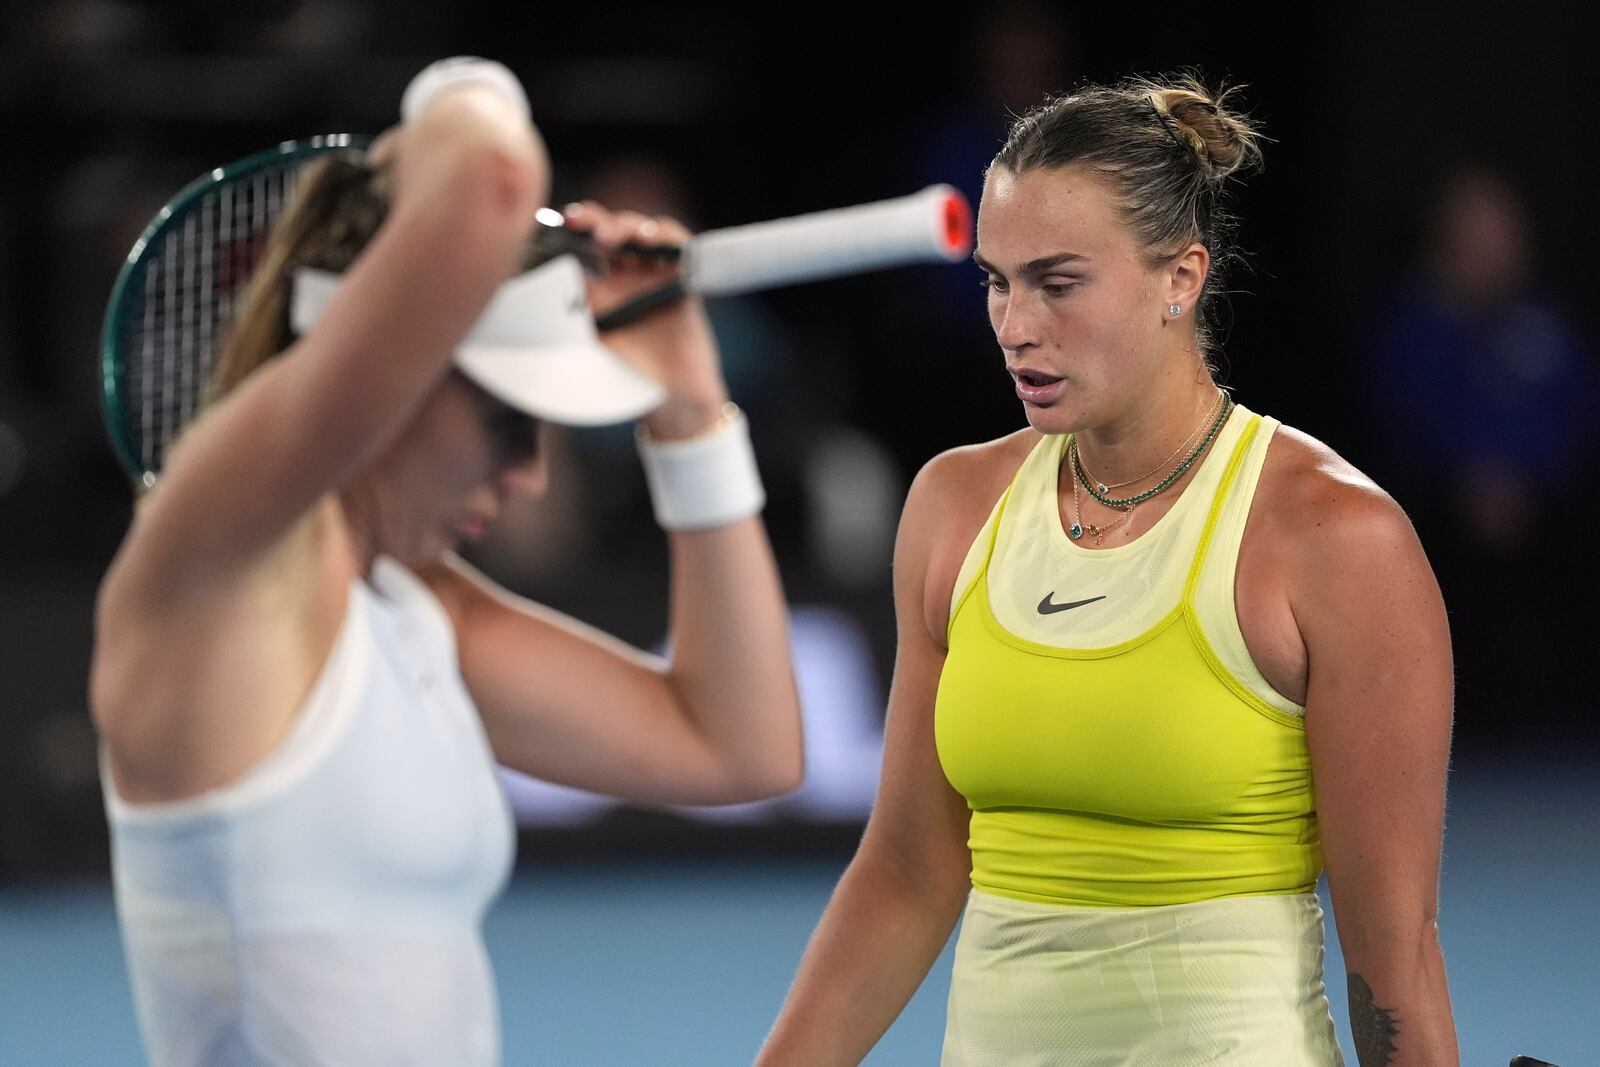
730, 413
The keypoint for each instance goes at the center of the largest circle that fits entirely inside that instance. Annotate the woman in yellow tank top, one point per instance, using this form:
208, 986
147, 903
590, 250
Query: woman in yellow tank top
1161, 662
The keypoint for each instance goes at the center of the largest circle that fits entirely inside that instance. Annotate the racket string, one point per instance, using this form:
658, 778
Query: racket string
193, 285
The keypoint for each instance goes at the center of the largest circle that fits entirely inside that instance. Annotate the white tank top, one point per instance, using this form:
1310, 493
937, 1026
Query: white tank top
326, 907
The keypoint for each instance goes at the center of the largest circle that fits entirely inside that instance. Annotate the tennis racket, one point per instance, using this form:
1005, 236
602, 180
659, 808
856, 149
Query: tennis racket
173, 304
933, 225
174, 300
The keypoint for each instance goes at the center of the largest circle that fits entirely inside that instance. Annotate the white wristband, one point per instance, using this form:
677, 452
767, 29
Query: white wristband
460, 70
704, 481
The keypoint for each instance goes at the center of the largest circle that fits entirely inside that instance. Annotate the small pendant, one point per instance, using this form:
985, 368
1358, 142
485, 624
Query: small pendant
1105, 490
1075, 531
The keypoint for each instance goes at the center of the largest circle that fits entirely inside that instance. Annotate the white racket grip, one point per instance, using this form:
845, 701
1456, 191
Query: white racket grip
933, 225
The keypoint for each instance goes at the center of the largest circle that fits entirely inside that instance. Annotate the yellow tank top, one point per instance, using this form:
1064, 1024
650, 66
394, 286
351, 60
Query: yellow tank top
1100, 713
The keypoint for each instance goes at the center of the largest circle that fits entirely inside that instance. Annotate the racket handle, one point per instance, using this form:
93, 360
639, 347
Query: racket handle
557, 237
663, 253
933, 225
639, 306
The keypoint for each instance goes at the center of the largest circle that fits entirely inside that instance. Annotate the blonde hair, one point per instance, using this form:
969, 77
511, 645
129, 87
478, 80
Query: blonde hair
338, 206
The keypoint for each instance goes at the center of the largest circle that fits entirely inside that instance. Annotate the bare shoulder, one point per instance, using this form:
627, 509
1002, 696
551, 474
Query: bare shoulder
1311, 493
948, 503
188, 693
1328, 523
469, 596
976, 466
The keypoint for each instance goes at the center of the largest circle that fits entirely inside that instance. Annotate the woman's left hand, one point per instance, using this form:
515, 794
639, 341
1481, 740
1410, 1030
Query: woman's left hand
674, 345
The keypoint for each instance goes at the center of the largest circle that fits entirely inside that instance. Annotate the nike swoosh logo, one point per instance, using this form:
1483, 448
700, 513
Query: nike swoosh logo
1047, 608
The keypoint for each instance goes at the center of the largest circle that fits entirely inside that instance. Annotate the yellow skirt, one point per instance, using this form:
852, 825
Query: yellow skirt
1235, 981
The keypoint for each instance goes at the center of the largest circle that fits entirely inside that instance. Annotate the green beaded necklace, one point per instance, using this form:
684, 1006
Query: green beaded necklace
1166, 483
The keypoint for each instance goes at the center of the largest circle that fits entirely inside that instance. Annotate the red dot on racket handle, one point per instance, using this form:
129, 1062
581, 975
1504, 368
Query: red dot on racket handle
957, 225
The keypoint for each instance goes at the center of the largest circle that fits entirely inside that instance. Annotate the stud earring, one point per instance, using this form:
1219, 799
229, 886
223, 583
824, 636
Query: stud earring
1174, 310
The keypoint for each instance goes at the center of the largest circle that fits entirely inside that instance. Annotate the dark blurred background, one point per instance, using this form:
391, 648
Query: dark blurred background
1417, 295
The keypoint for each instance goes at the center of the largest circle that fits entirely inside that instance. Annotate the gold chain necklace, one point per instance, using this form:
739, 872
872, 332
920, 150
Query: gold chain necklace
1105, 489
1079, 527
1162, 486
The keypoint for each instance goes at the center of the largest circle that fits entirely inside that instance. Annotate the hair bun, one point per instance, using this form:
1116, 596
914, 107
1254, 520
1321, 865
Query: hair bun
1223, 141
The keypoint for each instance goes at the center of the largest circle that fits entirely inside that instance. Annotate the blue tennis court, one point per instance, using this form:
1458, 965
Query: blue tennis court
685, 962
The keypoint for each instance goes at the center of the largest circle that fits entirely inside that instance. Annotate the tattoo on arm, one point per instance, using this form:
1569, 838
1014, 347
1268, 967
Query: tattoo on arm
1373, 1028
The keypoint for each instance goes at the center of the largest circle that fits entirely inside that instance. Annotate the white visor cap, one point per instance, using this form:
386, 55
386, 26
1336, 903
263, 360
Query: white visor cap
535, 347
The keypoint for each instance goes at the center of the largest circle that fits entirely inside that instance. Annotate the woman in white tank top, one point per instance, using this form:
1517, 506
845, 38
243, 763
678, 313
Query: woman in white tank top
301, 691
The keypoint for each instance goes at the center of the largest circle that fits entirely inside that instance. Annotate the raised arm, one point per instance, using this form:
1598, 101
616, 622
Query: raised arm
225, 596
720, 721
469, 174
1378, 717
899, 899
